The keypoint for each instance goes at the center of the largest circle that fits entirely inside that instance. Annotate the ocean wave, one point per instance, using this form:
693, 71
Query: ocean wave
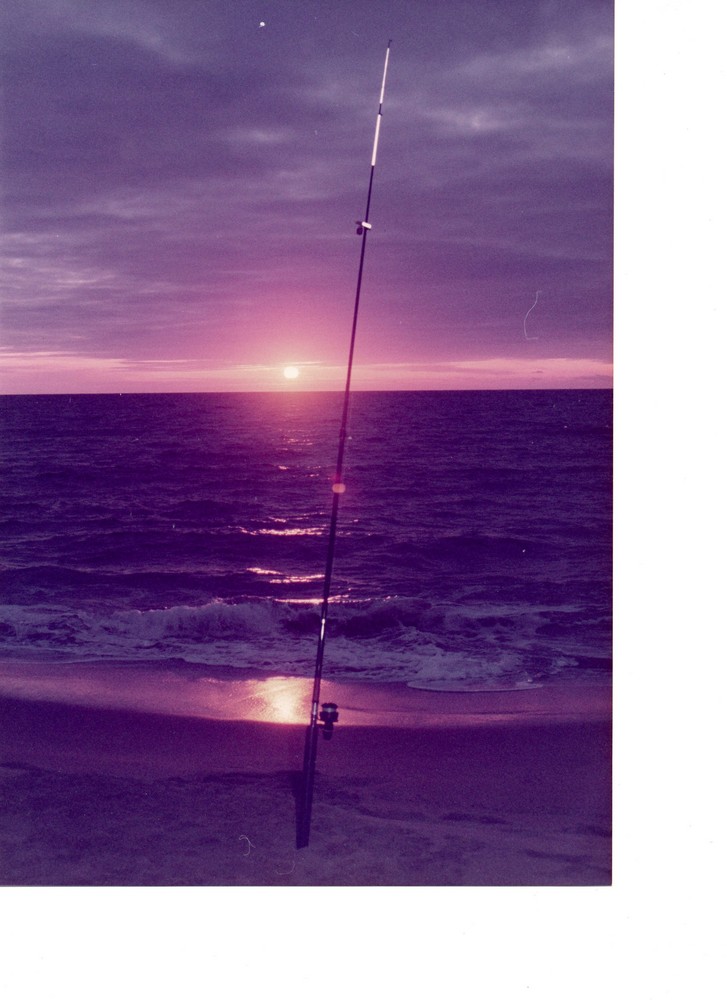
194, 527
391, 639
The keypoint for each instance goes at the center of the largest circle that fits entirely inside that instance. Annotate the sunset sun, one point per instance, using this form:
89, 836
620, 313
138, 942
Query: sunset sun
291, 372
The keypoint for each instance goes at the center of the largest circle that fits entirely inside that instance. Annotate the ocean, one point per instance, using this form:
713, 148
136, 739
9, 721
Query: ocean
473, 549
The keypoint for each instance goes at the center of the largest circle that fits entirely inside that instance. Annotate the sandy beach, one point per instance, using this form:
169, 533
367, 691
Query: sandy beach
188, 781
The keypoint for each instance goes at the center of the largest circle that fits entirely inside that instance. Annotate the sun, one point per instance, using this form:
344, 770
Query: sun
291, 372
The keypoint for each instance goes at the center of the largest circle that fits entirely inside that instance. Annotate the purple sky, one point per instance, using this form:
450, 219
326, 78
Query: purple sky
182, 179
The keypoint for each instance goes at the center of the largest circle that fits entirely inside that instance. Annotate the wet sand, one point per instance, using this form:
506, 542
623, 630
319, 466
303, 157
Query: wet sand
416, 788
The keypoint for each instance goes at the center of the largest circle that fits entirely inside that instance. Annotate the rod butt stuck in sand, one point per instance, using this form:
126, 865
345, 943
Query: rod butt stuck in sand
324, 716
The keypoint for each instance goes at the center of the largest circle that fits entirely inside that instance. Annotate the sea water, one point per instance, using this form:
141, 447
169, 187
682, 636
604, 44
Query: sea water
473, 547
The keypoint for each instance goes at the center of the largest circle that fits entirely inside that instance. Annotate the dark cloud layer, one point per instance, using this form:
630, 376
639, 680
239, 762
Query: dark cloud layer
181, 178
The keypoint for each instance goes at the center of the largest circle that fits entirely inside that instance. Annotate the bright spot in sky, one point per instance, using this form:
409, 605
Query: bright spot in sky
291, 372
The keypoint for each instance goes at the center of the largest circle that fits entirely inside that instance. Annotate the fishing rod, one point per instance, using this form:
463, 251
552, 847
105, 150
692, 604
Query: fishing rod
328, 713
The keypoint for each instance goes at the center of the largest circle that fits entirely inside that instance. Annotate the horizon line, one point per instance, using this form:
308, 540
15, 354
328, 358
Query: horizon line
297, 391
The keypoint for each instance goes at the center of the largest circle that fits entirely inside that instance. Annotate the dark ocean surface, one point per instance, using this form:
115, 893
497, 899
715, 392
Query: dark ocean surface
474, 542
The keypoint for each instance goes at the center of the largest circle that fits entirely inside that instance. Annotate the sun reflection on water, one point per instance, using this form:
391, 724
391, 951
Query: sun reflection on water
284, 532
277, 699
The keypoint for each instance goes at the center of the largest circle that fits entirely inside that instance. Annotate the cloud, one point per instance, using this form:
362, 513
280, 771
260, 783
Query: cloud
176, 175
49, 371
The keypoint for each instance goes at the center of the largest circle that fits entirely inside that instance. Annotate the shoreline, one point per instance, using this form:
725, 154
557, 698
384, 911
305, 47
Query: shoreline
96, 795
190, 690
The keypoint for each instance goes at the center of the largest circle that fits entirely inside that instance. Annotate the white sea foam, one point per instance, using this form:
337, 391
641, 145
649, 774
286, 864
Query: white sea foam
368, 641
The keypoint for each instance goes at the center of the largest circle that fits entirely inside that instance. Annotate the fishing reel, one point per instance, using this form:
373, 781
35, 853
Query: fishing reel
328, 715
361, 225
